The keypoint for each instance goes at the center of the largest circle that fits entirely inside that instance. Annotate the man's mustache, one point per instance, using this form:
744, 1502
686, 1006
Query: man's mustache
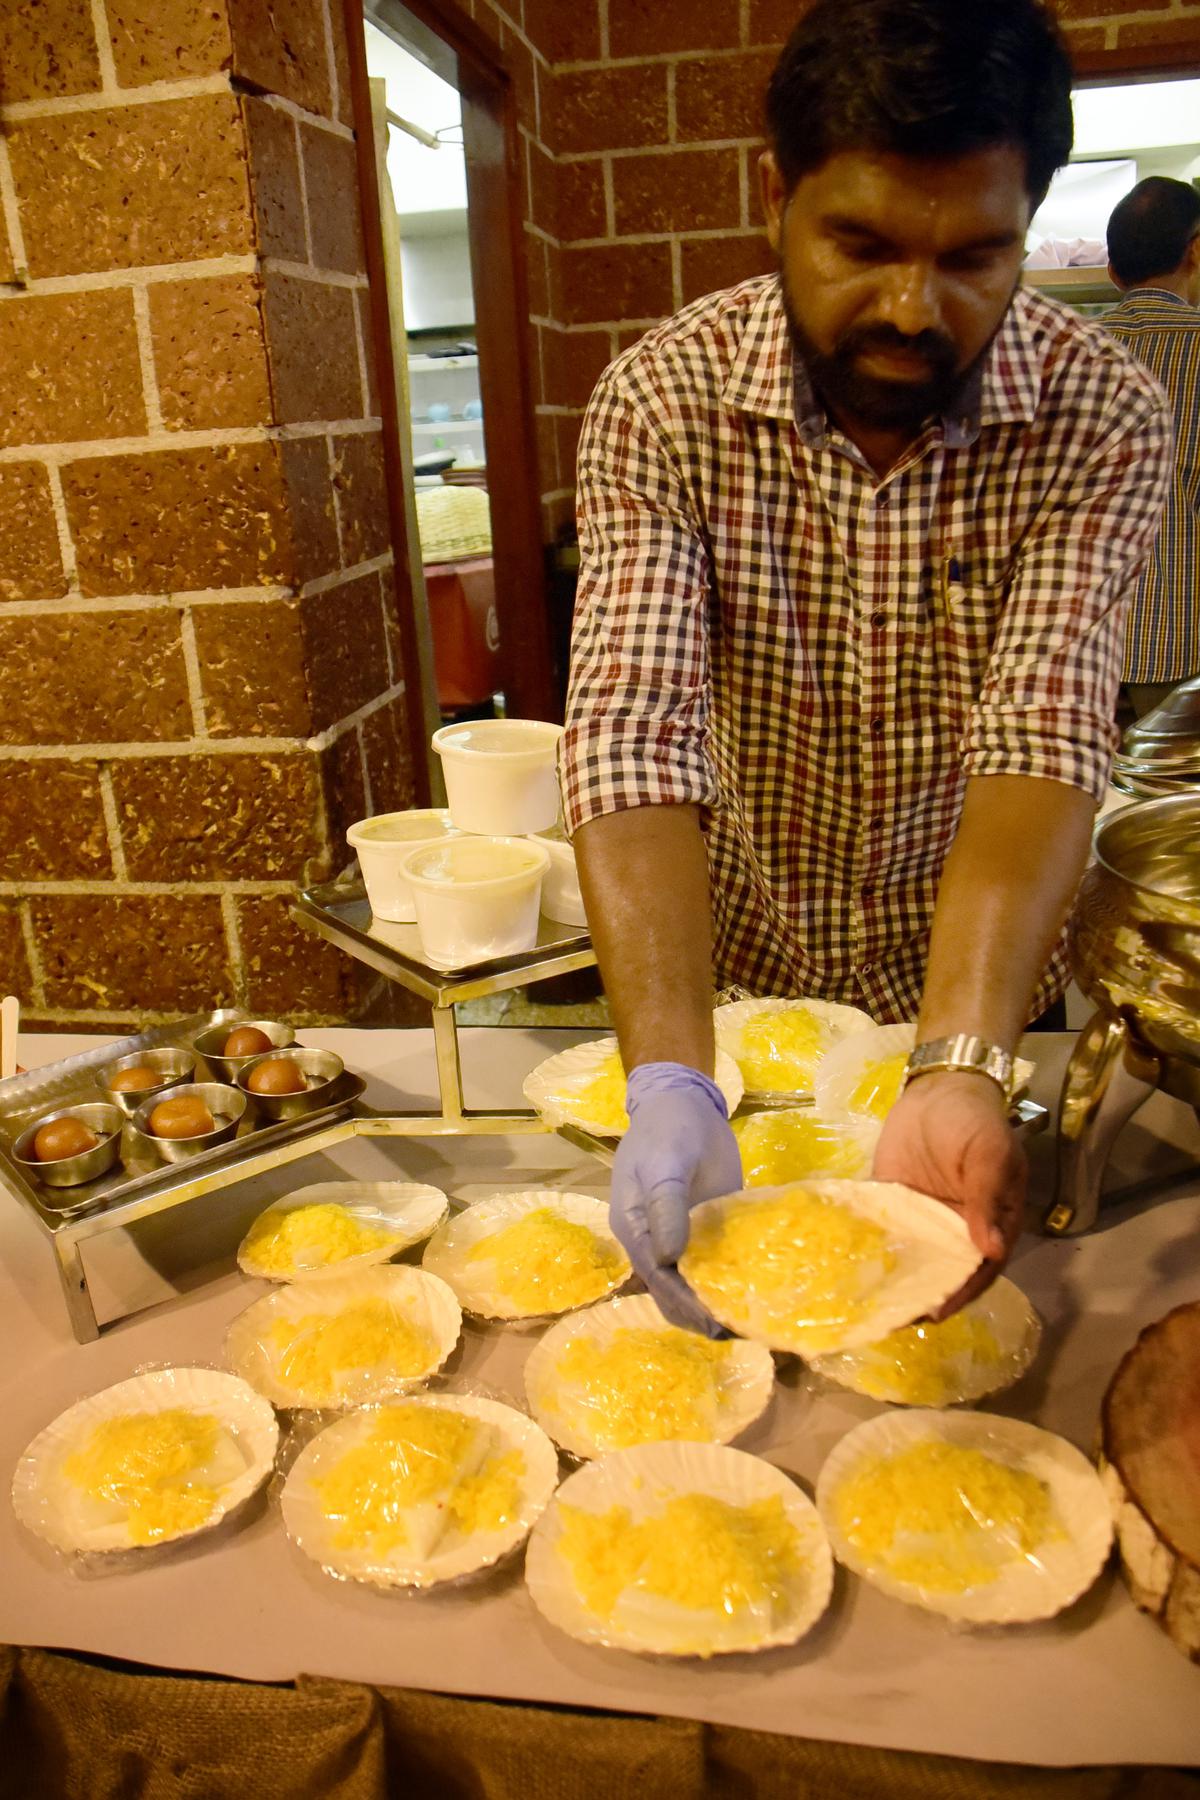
936, 350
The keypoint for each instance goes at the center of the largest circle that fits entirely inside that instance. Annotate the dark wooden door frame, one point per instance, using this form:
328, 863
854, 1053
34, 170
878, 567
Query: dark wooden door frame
495, 230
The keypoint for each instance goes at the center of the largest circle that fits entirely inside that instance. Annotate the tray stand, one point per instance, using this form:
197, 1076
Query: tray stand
340, 913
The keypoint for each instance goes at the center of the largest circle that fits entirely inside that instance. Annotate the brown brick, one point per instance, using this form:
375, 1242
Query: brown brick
366, 326
275, 180
390, 580
345, 795
537, 282
517, 58
52, 823
607, 109
280, 48
344, 652
341, 58
47, 47
564, 33
14, 965
389, 767
567, 425
650, 27
547, 451
92, 678
772, 21
616, 281
331, 180
1086, 40
575, 361
30, 562
679, 190
167, 40
209, 352
308, 484
144, 952
117, 188
541, 193
711, 263
362, 496
217, 818
252, 669
166, 521
1104, 10
69, 368
291, 974
8, 267
580, 210
312, 350
722, 99
1178, 34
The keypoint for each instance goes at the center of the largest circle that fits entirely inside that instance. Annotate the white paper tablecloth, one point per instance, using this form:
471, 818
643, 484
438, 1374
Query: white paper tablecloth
1101, 1684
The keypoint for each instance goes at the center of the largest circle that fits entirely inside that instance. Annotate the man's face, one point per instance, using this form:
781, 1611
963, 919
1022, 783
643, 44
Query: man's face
897, 273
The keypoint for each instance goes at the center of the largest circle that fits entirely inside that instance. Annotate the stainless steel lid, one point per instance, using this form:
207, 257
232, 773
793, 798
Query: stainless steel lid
1168, 738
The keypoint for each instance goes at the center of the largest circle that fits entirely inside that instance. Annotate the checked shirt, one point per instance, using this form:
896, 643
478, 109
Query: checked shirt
819, 658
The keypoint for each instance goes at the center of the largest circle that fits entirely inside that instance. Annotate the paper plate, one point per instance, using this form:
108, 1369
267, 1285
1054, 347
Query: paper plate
831, 1293
589, 1415
437, 1549
985, 1346
558, 1088
790, 1143
1031, 1582
765, 1063
58, 1509
644, 1482
862, 1074
268, 1344
455, 1253
407, 1211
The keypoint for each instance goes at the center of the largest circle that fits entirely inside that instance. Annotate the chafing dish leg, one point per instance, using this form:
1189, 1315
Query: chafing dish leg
1107, 1079
73, 1276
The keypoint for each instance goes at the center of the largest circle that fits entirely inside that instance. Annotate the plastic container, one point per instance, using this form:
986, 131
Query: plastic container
561, 898
382, 844
501, 774
477, 897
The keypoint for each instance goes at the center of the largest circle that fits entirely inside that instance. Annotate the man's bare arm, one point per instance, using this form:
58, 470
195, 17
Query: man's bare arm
644, 874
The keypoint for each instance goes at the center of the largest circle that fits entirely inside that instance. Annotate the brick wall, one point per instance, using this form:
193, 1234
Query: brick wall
200, 678
640, 127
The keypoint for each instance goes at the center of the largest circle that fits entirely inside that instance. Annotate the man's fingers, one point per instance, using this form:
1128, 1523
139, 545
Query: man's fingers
667, 1217
678, 1304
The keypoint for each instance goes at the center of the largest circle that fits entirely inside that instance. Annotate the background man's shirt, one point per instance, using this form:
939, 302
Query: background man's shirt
1163, 639
819, 658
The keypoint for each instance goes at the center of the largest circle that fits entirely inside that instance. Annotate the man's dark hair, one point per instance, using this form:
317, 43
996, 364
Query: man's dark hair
926, 78
1151, 228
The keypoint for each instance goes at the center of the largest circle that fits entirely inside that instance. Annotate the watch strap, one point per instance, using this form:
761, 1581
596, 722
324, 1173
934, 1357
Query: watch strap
964, 1054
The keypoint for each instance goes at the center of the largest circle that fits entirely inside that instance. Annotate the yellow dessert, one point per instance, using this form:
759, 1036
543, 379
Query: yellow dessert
645, 1385
315, 1353
601, 1100
778, 1147
543, 1262
310, 1237
698, 1552
800, 1266
943, 1516
923, 1364
419, 1462
146, 1465
878, 1087
780, 1050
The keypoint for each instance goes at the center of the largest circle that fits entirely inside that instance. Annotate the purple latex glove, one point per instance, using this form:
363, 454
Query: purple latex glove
677, 1151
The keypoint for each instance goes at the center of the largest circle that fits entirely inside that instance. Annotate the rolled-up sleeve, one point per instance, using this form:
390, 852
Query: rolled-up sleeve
637, 707
1048, 700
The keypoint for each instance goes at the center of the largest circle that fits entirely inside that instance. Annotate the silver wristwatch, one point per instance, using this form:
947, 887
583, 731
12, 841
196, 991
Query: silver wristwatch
965, 1052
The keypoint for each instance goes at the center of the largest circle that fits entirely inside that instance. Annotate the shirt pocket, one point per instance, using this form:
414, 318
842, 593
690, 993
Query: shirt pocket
966, 617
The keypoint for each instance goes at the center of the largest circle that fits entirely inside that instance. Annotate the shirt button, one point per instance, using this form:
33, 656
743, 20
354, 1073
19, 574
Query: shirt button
867, 969
877, 726
882, 499
867, 890
875, 824
878, 620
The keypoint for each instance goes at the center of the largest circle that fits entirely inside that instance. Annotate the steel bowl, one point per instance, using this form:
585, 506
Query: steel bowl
320, 1068
69, 1171
225, 1103
225, 1068
175, 1067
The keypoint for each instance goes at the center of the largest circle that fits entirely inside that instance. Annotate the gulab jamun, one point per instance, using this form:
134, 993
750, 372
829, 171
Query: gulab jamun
63, 1137
132, 1081
247, 1040
182, 1117
278, 1075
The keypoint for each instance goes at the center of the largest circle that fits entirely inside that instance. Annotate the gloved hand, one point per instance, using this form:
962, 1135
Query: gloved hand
677, 1151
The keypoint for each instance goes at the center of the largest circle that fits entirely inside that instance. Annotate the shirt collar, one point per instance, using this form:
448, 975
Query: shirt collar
767, 379
1131, 296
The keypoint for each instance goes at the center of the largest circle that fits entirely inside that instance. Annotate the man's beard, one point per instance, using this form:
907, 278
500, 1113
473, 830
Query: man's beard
873, 400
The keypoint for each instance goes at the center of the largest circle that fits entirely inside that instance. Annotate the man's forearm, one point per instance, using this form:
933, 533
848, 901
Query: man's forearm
1008, 884
644, 874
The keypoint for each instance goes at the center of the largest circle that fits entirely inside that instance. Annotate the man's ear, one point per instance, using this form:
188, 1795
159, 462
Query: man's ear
773, 193
1115, 279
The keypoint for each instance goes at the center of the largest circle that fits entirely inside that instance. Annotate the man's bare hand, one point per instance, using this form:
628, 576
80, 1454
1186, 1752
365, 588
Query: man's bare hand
948, 1135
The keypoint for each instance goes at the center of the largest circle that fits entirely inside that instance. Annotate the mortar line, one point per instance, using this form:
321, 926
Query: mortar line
104, 51
321, 584
145, 340
335, 90
334, 127
107, 603
191, 889
191, 662
233, 940
671, 116
112, 822
366, 770
192, 87
12, 220
280, 265
323, 739
331, 463
610, 198
233, 436
304, 212
676, 273
744, 186
152, 273
37, 973
66, 544
360, 347
603, 22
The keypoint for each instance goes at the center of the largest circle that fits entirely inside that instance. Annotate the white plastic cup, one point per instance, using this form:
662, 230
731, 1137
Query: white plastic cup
477, 897
501, 774
561, 898
383, 843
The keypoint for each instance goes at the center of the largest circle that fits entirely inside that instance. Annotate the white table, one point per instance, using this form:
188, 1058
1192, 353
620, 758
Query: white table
1099, 1685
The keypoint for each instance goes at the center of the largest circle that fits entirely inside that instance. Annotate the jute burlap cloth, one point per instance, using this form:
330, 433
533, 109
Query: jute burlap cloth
76, 1730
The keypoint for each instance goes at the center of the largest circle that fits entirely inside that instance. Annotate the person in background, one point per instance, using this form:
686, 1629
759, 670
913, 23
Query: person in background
1154, 258
856, 542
